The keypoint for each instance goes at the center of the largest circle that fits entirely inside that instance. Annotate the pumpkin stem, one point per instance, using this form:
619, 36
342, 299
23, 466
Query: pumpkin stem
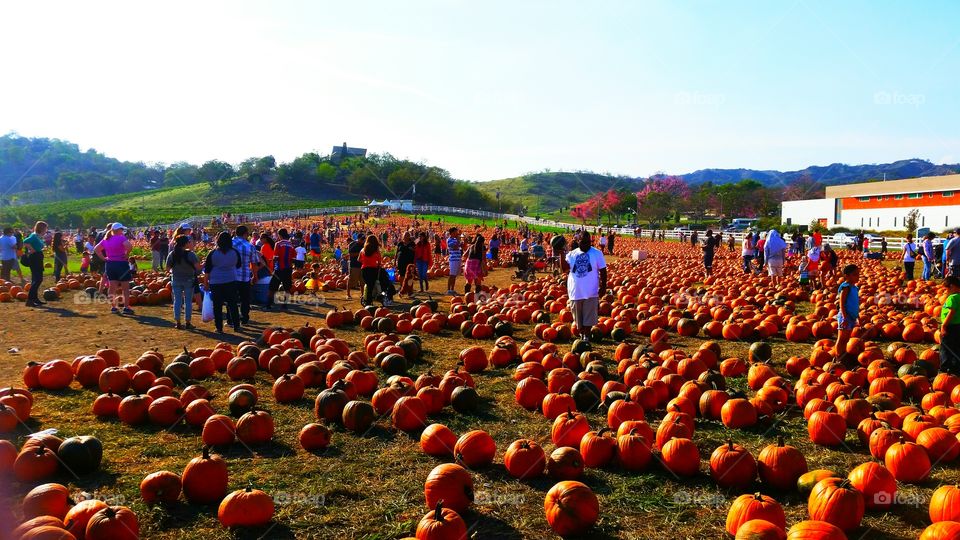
438, 511
780, 441
730, 443
206, 452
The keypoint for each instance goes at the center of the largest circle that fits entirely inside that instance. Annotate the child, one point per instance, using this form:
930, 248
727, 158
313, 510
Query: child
85, 262
338, 254
133, 266
804, 273
813, 266
950, 328
408, 278
344, 266
849, 309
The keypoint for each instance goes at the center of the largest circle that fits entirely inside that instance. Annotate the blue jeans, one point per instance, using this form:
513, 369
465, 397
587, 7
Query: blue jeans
927, 269
182, 298
422, 272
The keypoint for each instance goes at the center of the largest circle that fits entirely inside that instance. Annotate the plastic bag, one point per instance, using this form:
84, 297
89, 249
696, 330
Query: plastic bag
206, 313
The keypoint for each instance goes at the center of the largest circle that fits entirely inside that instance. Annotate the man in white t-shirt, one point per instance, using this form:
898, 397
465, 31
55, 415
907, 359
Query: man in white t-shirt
300, 256
586, 281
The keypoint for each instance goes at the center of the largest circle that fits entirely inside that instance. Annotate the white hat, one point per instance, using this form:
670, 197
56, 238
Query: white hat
117, 226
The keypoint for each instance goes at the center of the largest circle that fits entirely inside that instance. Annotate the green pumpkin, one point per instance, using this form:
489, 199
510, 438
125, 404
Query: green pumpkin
618, 334
241, 402
385, 325
179, 372
394, 364
586, 395
80, 455
464, 399
503, 329
760, 351
580, 346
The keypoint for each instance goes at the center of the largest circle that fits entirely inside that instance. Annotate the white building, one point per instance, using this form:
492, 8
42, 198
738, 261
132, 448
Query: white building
882, 206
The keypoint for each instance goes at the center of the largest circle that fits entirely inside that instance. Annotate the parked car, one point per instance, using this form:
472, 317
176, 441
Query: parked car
842, 240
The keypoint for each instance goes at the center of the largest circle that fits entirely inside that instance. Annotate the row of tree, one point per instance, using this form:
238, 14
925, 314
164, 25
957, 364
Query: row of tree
665, 198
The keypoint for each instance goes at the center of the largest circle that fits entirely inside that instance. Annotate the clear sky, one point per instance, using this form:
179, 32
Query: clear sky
490, 89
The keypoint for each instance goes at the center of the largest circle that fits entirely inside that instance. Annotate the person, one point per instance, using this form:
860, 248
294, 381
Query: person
927, 255
422, 259
300, 257
249, 262
814, 256
78, 241
315, 240
8, 253
164, 246
849, 312
866, 244
338, 253
370, 262
746, 252
817, 239
475, 269
950, 328
760, 240
155, 250
495, 246
586, 281
883, 245
603, 241
282, 268
731, 241
355, 278
828, 261
220, 272
404, 256
611, 237
115, 250
774, 253
60, 246
952, 253
33, 252
132, 261
85, 262
182, 263
454, 257
710, 244
909, 258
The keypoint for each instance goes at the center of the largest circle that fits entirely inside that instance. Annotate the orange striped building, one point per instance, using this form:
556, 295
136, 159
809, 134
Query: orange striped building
882, 206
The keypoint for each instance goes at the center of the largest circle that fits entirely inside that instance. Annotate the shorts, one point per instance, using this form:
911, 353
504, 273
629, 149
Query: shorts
473, 270
298, 264
354, 280
455, 268
282, 277
774, 269
315, 252
585, 311
118, 271
846, 325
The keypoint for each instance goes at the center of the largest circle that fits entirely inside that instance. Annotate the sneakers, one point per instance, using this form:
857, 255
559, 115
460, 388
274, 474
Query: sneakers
189, 326
451, 292
114, 310
387, 302
127, 311
179, 326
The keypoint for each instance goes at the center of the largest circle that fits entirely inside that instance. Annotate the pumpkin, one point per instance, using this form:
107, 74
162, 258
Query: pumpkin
134, 410
732, 465
815, 530
358, 416
781, 465
633, 451
80, 455
53, 375
475, 449
752, 506
438, 440
166, 411
908, 462
409, 414
113, 523
586, 395
809, 479
681, 457
569, 428
330, 403
288, 388
255, 427
571, 508
837, 502
530, 393
565, 463
942, 530
43, 525
945, 504
106, 405
524, 459
760, 529
47, 500
219, 430
205, 479
441, 524
161, 486
314, 437
35, 464
464, 399
451, 484
876, 483
941, 445
246, 508
827, 428
77, 518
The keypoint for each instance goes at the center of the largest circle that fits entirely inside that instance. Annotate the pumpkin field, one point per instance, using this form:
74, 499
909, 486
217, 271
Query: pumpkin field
701, 408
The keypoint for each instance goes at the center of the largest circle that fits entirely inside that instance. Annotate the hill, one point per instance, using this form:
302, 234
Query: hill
836, 173
545, 192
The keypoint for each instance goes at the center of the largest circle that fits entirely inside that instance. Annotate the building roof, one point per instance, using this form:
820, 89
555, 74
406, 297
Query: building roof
894, 187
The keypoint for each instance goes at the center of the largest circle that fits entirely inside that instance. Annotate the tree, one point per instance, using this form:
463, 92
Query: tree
662, 196
214, 171
911, 221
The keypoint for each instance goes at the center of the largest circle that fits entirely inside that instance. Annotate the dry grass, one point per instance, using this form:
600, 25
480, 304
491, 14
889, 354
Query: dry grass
371, 487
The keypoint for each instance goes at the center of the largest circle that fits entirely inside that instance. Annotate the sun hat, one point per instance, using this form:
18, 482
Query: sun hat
117, 226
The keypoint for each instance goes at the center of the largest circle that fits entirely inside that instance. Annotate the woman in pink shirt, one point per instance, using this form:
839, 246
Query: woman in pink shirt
115, 250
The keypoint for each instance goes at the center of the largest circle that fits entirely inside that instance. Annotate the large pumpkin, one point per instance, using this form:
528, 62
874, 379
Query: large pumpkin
255, 427
732, 465
205, 479
113, 523
524, 459
945, 504
161, 486
451, 484
837, 502
475, 449
780, 465
46, 500
748, 507
571, 508
815, 530
246, 508
442, 524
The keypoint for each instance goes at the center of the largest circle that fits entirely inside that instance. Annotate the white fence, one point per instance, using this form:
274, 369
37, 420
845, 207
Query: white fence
836, 241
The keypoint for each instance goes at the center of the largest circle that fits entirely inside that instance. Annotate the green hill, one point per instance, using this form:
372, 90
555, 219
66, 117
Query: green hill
546, 192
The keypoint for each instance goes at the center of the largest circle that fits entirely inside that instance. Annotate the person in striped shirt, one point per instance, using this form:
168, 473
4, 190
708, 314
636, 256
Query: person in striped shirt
454, 258
282, 267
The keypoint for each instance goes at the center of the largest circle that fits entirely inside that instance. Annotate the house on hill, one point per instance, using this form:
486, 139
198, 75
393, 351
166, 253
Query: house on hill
341, 152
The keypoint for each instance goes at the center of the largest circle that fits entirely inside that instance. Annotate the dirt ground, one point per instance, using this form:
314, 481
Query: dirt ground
372, 487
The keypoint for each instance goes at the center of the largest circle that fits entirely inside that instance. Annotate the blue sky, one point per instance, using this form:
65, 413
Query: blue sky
491, 89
